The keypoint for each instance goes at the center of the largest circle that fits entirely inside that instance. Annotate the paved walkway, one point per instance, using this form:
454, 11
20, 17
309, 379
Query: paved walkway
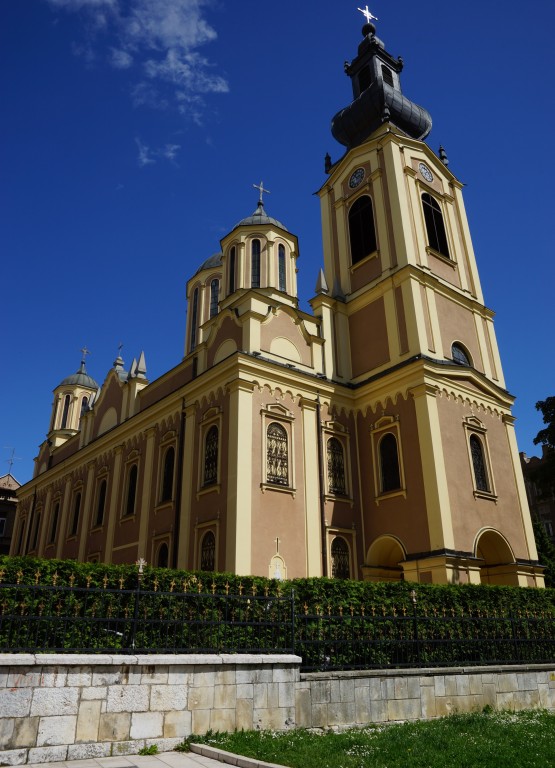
212, 758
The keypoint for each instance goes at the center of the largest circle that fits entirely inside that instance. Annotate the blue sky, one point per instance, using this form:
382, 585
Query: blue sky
132, 132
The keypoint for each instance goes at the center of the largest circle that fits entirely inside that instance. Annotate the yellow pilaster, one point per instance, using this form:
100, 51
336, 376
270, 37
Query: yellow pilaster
88, 501
114, 511
313, 535
45, 522
146, 492
62, 530
187, 483
509, 422
239, 473
436, 491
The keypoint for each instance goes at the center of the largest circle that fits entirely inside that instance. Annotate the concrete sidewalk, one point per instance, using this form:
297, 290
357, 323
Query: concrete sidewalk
200, 756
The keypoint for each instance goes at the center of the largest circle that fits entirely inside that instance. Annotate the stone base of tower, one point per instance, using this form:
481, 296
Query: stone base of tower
457, 569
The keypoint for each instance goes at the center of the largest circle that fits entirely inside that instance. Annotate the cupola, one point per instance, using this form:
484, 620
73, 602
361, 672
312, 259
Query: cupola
72, 397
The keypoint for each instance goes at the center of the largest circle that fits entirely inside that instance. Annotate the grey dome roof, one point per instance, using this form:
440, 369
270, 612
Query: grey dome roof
213, 261
260, 217
80, 379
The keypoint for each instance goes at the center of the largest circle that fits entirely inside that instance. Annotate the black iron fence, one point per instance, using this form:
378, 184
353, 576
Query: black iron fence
40, 618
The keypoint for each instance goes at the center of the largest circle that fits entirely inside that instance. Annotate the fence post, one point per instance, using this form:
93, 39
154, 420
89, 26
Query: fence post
415, 625
141, 562
293, 644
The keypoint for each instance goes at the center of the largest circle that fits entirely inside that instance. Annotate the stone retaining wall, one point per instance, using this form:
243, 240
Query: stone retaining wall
68, 707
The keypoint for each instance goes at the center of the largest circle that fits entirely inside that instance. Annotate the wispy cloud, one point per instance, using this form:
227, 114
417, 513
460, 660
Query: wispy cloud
149, 156
160, 41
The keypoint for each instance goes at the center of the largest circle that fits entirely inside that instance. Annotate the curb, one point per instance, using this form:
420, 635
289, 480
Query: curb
231, 759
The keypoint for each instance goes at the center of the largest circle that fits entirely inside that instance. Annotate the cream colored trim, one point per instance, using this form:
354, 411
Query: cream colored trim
113, 506
86, 514
239, 473
474, 427
387, 425
44, 523
187, 481
200, 530
211, 418
521, 490
146, 492
312, 526
349, 536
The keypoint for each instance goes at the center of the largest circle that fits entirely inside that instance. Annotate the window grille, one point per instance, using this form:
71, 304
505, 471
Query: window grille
211, 456
281, 268
277, 455
340, 566
214, 291
336, 467
479, 464
208, 552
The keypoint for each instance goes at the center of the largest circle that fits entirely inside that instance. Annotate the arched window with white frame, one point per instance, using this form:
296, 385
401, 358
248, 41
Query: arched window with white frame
277, 455
210, 473
336, 467
340, 559
390, 474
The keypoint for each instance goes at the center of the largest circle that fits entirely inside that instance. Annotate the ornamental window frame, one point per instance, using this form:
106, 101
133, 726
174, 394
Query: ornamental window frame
256, 261
387, 425
75, 512
54, 520
211, 418
349, 536
278, 414
214, 297
335, 430
167, 445
460, 354
205, 548
232, 270
99, 495
435, 208
475, 431
282, 268
129, 510
336, 539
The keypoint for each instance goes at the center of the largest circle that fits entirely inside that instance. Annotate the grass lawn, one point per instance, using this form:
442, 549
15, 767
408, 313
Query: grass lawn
478, 740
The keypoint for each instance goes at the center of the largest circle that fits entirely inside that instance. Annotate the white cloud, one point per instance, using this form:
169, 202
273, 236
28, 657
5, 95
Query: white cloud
149, 156
144, 157
162, 37
170, 151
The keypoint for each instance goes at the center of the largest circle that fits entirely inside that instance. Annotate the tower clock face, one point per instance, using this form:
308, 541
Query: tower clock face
356, 178
425, 172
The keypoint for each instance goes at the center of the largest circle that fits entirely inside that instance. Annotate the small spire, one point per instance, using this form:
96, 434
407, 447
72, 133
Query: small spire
327, 162
133, 369
443, 156
141, 367
321, 283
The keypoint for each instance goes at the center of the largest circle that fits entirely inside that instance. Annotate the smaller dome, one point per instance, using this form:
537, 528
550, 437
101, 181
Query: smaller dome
260, 217
214, 261
80, 379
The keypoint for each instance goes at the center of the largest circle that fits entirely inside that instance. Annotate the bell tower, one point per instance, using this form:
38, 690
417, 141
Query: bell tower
406, 328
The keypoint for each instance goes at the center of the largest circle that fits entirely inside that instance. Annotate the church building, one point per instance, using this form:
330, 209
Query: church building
371, 438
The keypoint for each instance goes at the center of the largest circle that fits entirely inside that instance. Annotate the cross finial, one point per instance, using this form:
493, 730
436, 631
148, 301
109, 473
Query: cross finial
260, 188
85, 352
11, 460
120, 347
367, 15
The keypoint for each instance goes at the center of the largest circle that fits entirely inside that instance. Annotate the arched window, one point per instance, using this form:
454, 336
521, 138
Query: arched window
435, 227
255, 264
54, 523
389, 463
194, 319
460, 355
479, 464
340, 566
231, 270
282, 277
75, 518
214, 291
211, 456
65, 412
387, 75
131, 490
362, 231
36, 533
167, 475
208, 552
162, 558
100, 504
277, 452
84, 404
336, 467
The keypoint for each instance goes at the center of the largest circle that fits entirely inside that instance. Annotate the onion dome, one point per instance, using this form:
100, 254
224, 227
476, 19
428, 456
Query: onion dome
212, 262
260, 217
80, 379
377, 96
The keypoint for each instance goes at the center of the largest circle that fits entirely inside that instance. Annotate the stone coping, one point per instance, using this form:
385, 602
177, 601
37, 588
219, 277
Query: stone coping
425, 671
151, 659
230, 758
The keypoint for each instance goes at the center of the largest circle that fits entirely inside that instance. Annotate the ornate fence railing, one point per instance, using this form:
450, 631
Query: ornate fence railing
91, 619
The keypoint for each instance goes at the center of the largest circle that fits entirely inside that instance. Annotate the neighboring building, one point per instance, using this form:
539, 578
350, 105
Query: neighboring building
540, 500
8, 506
370, 439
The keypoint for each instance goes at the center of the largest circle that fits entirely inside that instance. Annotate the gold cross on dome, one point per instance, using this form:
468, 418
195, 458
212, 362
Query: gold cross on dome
260, 188
367, 15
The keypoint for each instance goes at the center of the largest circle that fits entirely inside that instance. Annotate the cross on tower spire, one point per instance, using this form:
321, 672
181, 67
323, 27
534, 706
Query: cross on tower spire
85, 352
367, 15
260, 188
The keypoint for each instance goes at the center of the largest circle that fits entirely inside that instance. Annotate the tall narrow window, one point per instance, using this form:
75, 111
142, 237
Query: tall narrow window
208, 552
131, 491
255, 264
167, 475
435, 227
387, 75
340, 567
211, 456
194, 318
281, 268
100, 504
364, 79
389, 463
231, 270
362, 231
479, 464
277, 452
36, 533
163, 556
75, 517
214, 291
336, 467
84, 405
65, 412
54, 523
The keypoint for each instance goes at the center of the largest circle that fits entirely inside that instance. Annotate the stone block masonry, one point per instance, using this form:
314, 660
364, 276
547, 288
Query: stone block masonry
70, 707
